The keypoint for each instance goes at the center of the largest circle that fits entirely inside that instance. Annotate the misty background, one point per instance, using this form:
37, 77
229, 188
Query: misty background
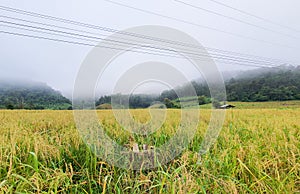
57, 63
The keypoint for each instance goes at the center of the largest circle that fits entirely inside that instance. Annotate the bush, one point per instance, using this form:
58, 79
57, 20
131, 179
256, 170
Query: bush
10, 106
203, 100
216, 104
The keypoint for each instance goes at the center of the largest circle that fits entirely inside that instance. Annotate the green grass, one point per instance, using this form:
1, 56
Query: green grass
261, 105
256, 152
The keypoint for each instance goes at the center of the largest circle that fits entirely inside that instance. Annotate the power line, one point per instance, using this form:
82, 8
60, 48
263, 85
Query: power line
87, 37
76, 30
159, 54
75, 42
93, 45
235, 19
131, 34
107, 29
216, 56
201, 26
255, 16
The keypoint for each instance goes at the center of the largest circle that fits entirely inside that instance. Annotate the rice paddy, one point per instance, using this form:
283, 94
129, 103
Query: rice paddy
257, 151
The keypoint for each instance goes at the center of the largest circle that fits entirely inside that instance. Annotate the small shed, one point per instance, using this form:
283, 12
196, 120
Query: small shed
226, 106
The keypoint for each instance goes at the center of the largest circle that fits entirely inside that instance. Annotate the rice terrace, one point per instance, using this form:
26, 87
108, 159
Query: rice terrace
174, 96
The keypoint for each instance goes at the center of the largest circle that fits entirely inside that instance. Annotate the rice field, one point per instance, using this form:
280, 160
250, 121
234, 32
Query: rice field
257, 151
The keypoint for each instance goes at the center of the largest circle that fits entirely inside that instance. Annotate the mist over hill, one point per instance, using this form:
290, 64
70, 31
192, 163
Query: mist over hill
265, 84
262, 84
24, 94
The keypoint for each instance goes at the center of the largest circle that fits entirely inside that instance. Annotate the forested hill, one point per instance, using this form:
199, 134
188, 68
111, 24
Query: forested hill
253, 86
266, 84
30, 95
274, 85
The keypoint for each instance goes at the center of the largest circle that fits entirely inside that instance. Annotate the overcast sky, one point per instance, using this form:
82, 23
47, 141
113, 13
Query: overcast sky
57, 63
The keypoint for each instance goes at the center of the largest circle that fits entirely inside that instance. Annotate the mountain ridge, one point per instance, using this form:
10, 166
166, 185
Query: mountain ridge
24, 94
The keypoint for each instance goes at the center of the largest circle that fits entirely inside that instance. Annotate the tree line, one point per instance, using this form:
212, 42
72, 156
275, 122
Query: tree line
256, 86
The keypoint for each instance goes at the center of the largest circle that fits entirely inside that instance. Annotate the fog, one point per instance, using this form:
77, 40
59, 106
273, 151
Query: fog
57, 63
